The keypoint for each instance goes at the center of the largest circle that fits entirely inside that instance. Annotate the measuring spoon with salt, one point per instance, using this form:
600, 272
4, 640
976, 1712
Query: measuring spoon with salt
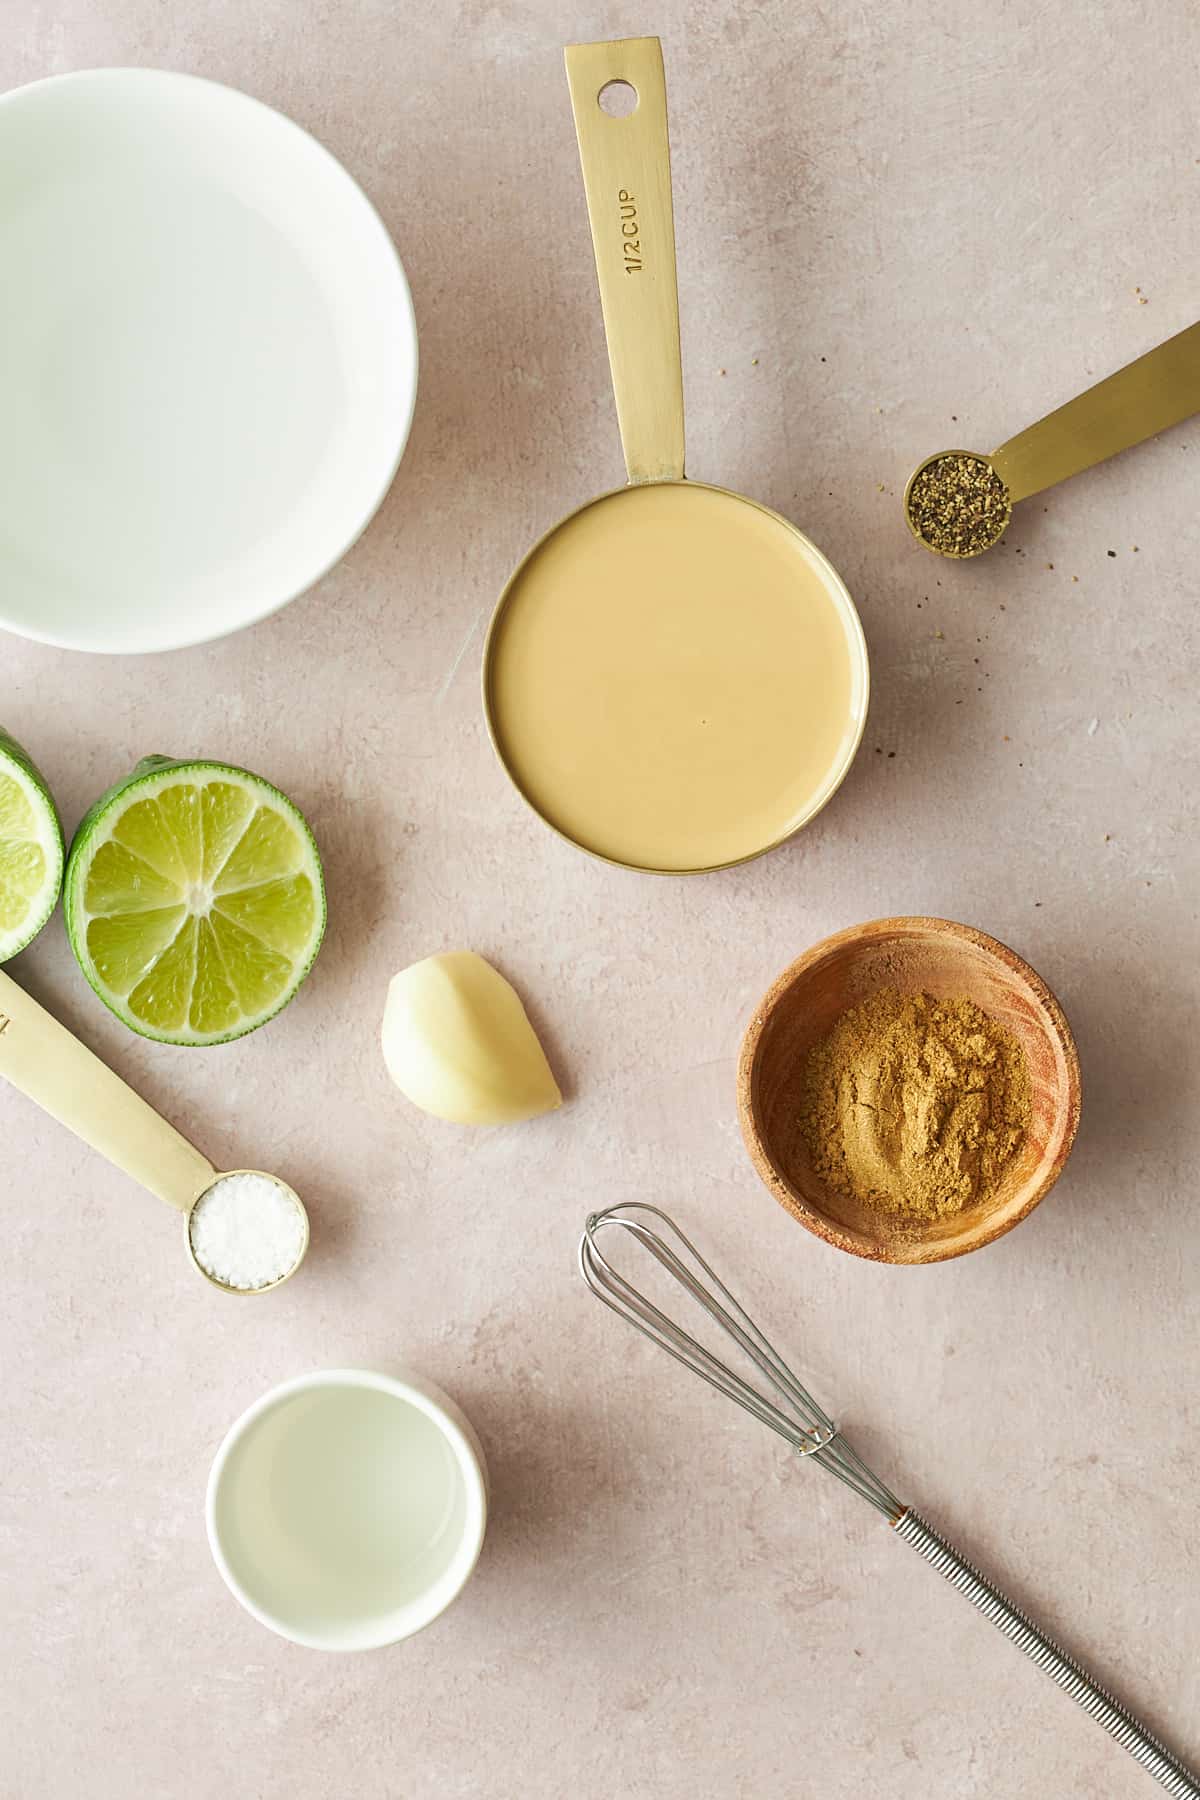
246, 1231
958, 502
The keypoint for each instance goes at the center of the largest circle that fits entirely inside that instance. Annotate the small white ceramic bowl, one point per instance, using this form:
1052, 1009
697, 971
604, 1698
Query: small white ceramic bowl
346, 1509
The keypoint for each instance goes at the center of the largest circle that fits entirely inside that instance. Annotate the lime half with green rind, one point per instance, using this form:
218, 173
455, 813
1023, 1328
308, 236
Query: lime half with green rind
31, 849
194, 900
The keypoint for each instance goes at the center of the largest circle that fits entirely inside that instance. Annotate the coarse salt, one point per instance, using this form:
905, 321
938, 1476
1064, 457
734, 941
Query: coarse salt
247, 1231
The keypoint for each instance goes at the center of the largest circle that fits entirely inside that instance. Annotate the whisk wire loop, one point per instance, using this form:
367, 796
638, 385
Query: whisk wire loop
787, 1408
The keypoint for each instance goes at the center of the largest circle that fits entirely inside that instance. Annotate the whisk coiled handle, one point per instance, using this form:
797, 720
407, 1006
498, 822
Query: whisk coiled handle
1145, 1749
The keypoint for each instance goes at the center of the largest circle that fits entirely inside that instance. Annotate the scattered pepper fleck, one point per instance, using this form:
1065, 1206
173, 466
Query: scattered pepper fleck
1112, 553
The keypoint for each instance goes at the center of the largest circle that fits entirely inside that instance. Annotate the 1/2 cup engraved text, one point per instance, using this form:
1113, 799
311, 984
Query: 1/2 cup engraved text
631, 237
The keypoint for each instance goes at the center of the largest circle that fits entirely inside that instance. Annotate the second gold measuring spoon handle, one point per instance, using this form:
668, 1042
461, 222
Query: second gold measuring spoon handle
1157, 391
47, 1063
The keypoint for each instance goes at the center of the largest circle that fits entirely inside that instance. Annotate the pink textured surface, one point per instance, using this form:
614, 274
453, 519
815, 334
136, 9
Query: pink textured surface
927, 225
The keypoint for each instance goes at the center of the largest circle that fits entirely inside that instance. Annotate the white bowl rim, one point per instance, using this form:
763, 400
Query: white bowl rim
407, 320
456, 1429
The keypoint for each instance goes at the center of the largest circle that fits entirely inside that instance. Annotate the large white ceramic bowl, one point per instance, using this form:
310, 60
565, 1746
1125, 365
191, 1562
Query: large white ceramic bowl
208, 360
346, 1509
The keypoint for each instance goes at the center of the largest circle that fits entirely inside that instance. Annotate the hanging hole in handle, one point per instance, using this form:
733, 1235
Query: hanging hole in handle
618, 99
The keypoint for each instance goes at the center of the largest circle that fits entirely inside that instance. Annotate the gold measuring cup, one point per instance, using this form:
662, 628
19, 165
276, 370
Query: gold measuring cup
1160, 389
675, 678
50, 1066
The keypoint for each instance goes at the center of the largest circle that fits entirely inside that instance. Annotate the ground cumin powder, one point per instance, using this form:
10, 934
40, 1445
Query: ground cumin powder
914, 1106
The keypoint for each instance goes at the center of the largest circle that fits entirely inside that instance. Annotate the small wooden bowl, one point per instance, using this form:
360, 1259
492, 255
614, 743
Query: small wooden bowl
932, 956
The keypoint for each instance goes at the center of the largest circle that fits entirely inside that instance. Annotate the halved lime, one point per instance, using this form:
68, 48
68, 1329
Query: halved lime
31, 849
194, 900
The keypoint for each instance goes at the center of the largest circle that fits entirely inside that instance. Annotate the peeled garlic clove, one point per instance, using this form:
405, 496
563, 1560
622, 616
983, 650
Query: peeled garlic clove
458, 1044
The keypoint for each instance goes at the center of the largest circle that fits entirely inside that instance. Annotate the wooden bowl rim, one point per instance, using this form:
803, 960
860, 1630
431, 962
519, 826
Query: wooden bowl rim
989, 1228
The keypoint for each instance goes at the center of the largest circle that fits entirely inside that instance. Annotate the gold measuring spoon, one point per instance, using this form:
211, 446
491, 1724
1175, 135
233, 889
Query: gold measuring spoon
959, 502
675, 678
50, 1066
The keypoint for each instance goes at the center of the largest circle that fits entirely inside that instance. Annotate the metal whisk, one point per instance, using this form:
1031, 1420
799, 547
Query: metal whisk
780, 1401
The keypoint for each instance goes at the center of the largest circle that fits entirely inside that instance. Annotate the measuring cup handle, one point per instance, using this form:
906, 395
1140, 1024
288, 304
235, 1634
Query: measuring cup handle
44, 1061
627, 178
